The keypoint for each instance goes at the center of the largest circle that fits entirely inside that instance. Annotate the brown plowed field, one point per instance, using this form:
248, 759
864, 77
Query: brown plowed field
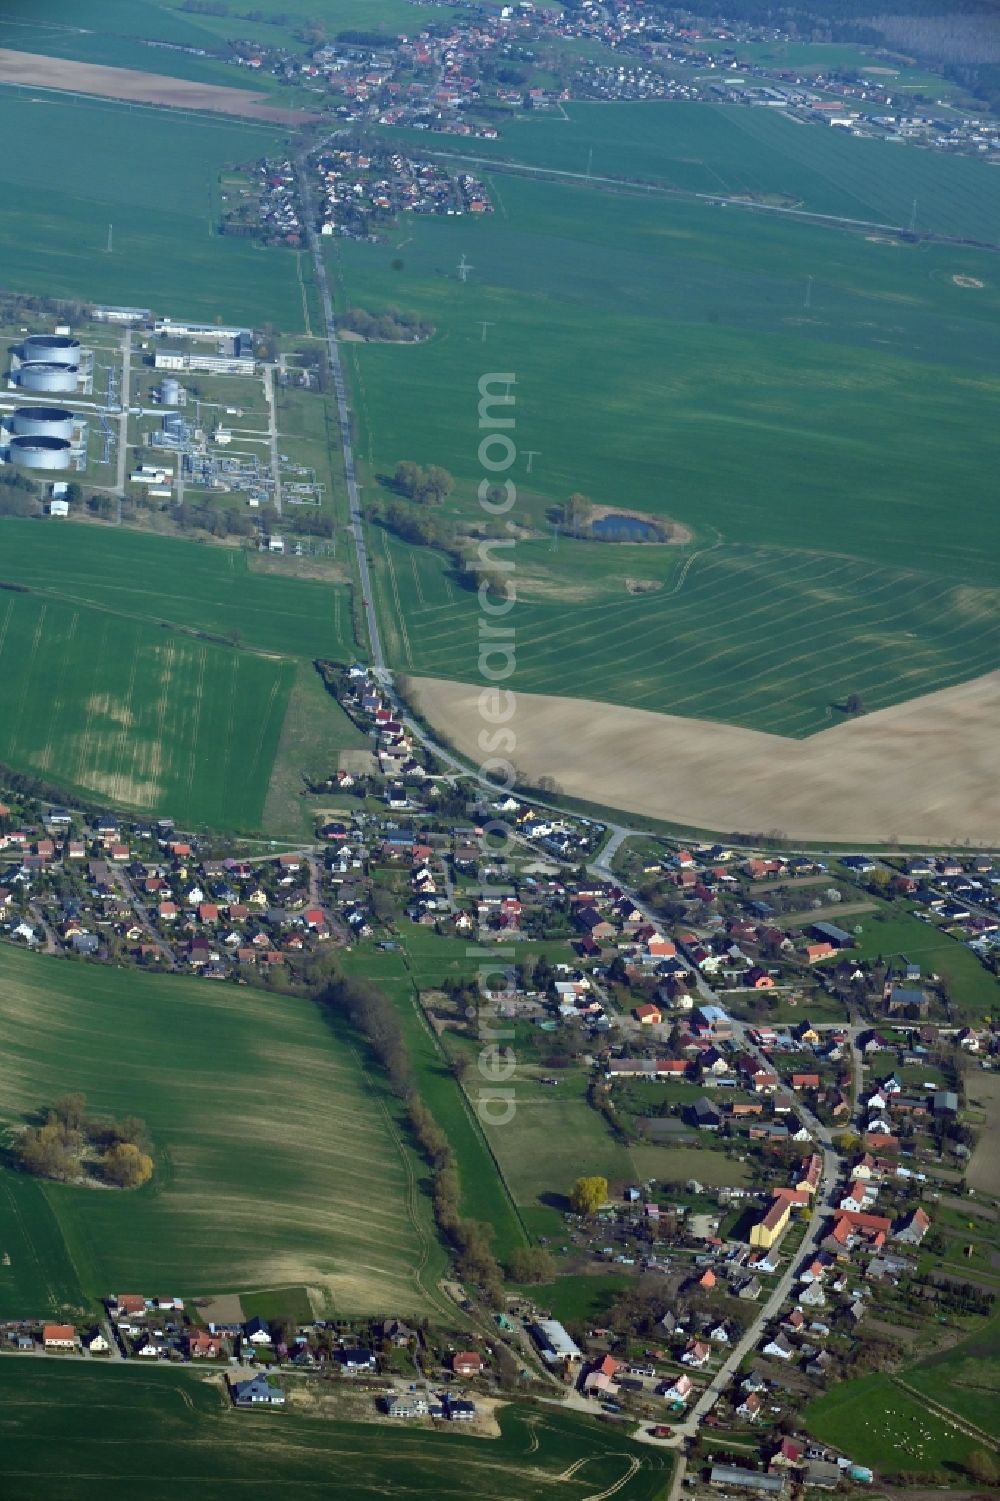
35, 71
923, 772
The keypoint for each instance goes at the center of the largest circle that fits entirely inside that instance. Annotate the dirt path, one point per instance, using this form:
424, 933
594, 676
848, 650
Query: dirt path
922, 772
983, 1172
33, 70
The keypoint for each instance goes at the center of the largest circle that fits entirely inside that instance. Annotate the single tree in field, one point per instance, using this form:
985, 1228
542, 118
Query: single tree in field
854, 704
588, 1194
577, 513
435, 485
407, 477
125, 1166
71, 1111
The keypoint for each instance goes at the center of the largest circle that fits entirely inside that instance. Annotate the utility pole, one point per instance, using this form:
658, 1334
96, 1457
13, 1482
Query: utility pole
484, 324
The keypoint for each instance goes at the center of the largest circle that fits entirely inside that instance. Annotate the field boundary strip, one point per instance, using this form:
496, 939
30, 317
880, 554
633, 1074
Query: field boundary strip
470, 1113
948, 1415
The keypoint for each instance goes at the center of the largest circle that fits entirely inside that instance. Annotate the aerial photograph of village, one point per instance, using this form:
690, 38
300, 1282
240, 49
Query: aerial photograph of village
499, 750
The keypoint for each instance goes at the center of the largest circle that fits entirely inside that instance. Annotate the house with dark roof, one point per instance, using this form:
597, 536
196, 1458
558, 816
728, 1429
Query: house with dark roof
257, 1392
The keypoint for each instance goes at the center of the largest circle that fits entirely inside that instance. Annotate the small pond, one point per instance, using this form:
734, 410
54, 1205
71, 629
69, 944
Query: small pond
623, 529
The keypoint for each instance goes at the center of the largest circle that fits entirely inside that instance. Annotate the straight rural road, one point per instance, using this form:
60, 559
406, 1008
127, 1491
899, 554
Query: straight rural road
123, 420
272, 433
344, 417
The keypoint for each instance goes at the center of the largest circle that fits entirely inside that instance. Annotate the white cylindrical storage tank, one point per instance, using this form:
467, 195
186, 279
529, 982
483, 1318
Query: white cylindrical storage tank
42, 422
40, 453
55, 349
42, 375
170, 391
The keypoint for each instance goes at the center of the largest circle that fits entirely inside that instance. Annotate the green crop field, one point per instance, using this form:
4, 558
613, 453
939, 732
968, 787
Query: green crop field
665, 360
154, 175
123, 34
119, 36
174, 582
277, 1159
754, 153
145, 718
811, 57
156, 673
65, 1426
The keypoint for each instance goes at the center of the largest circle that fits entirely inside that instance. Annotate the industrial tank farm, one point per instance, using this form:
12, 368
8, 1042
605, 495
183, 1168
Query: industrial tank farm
52, 349
42, 422
47, 375
41, 453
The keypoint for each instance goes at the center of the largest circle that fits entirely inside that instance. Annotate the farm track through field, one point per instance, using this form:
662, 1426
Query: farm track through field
199, 699
14, 1210
947, 1415
28, 684
55, 719
632, 1468
264, 721
400, 617
433, 1294
124, 734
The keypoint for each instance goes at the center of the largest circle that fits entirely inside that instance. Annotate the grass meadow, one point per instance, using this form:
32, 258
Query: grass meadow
156, 674
153, 174
665, 360
974, 991
278, 1162
878, 1423
966, 1378
61, 1443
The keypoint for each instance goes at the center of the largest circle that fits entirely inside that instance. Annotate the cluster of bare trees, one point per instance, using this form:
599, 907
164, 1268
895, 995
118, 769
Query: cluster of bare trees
68, 1145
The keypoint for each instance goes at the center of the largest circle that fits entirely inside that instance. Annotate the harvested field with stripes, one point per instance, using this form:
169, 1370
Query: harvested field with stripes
33, 70
893, 775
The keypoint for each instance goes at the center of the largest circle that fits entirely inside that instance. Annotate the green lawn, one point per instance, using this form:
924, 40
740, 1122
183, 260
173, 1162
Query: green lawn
162, 199
65, 1441
277, 1163
117, 679
806, 450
